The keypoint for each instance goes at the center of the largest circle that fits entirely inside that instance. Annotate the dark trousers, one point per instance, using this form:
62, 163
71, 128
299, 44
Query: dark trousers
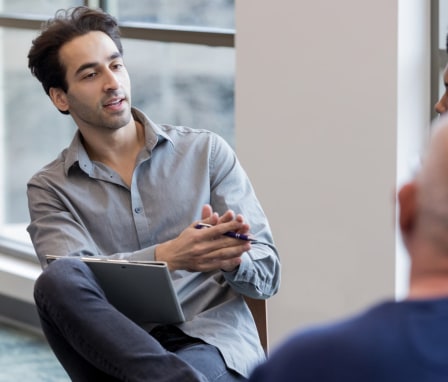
95, 342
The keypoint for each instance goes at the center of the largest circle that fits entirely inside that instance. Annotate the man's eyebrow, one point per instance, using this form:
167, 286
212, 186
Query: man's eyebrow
89, 65
85, 66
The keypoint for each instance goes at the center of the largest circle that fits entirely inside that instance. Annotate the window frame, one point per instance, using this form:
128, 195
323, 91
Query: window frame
195, 35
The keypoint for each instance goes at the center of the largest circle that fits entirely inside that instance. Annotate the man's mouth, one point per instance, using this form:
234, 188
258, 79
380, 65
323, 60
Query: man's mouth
114, 104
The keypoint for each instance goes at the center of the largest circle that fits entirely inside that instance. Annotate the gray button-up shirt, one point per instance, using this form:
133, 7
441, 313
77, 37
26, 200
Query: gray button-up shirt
80, 207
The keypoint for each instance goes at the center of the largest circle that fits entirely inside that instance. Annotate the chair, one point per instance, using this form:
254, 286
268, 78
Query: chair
259, 311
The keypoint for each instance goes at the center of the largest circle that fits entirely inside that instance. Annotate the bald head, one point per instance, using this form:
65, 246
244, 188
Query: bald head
424, 218
432, 187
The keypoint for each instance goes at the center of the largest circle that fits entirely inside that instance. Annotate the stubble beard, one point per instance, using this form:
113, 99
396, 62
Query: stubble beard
117, 121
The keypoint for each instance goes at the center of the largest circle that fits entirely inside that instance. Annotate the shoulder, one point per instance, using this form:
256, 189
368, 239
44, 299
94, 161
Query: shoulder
181, 137
303, 354
178, 133
52, 170
185, 138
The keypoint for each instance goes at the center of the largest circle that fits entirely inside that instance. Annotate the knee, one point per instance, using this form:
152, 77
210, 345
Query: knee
61, 276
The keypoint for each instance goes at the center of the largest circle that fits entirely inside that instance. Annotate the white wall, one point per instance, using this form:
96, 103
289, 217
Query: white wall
316, 118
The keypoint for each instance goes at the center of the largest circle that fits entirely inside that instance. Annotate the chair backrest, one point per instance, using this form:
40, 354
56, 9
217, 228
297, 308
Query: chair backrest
260, 314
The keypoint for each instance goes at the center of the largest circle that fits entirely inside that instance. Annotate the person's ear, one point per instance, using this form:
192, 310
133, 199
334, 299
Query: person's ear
407, 199
59, 99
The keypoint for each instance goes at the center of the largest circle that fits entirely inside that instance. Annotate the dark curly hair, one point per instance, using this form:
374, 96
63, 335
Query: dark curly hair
43, 57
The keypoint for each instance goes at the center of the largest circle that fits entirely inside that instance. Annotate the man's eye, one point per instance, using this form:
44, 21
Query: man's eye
89, 75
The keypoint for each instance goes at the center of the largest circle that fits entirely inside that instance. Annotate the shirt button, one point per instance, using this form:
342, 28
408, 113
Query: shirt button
138, 210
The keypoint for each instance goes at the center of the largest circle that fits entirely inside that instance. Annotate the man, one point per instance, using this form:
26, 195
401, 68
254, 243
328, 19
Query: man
441, 106
127, 188
393, 341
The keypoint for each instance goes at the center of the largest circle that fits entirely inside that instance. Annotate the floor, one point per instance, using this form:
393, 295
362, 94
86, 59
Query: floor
26, 357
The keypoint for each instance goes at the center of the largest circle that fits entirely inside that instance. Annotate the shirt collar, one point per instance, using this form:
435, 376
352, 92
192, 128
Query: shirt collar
77, 154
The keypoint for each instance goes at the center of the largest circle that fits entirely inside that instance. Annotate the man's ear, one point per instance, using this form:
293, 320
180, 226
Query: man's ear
407, 199
59, 99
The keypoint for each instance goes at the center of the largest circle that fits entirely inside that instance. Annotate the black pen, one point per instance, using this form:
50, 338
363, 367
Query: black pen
232, 234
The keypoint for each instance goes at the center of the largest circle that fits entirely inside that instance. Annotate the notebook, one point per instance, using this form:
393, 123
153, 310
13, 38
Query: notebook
142, 290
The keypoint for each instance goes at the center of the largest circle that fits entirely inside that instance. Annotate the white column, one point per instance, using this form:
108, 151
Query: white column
413, 115
2, 129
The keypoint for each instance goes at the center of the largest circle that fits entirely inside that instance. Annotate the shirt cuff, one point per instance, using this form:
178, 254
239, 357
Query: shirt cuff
244, 272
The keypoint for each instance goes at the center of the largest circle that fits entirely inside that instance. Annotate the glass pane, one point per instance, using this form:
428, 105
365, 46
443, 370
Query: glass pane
443, 23
183, 84
216, 13
42, 7
33, 131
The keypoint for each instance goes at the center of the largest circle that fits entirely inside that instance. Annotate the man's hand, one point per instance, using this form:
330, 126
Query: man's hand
203, 250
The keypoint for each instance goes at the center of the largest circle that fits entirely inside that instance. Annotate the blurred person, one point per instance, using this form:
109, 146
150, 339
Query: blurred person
128, 188
397, 341
441, 106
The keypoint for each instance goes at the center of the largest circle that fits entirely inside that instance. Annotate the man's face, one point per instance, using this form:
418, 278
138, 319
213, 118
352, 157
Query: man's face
441, 107
98, 94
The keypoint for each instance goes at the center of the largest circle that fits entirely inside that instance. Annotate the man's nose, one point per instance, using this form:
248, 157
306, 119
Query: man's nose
441, 106
111, 80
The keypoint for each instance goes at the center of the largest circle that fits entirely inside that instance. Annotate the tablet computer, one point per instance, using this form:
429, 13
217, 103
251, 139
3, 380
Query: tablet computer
142, 290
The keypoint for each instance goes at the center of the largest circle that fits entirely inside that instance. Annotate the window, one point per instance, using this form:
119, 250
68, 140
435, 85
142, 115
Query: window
180, 57
214, 14
439, 57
